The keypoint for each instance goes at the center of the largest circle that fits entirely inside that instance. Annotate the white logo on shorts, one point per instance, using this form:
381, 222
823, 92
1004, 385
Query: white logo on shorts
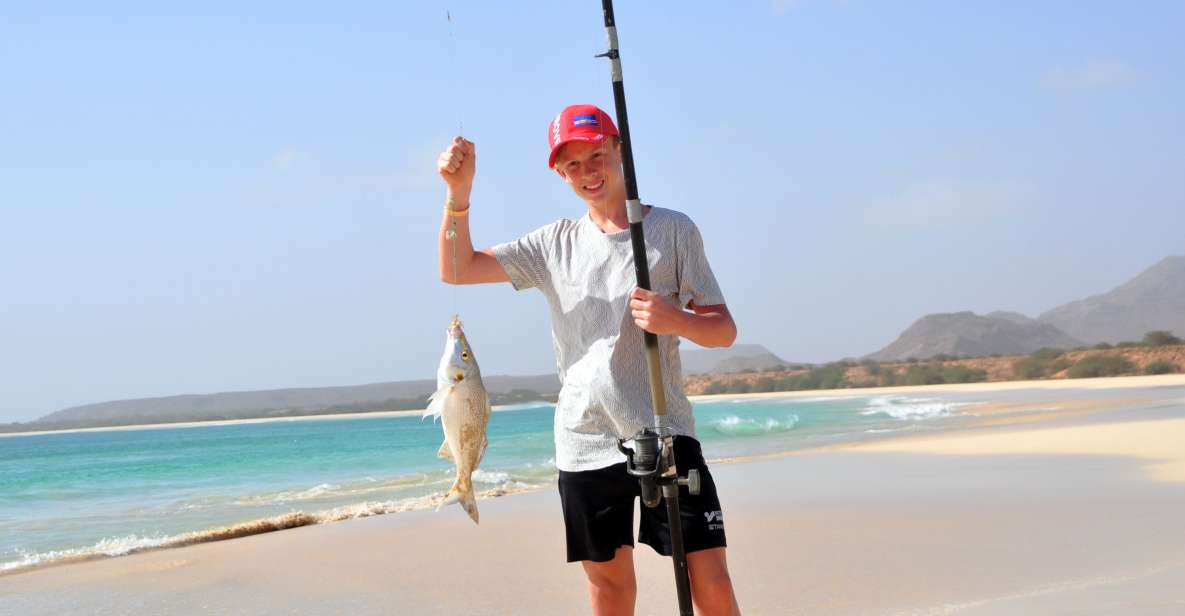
714, 516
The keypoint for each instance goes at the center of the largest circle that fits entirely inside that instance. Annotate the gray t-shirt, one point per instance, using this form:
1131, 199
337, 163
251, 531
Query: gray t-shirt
586, 276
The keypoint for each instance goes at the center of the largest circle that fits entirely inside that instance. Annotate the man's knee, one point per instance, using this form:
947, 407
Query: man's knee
608, 579
615, 576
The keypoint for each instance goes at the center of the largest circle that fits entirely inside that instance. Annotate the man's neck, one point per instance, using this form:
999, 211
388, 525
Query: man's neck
611, 216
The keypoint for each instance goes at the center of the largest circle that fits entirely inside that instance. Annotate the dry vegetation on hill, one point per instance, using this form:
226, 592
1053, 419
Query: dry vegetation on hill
1104, 360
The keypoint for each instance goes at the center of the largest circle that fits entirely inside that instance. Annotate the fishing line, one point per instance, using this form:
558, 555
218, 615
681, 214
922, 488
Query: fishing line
452, 52
451, 234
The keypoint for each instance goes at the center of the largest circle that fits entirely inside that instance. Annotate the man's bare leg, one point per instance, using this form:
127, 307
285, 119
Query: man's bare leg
711, 587
612, 587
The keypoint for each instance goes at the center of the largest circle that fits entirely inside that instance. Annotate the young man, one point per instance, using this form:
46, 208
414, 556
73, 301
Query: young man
584, 268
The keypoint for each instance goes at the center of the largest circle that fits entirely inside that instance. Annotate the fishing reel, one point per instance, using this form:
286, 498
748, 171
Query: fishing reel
653, 463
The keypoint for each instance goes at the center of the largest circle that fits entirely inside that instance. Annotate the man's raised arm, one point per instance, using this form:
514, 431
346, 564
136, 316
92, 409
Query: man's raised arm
459, 263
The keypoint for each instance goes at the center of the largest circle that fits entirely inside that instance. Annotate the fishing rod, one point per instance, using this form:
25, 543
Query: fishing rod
652, 460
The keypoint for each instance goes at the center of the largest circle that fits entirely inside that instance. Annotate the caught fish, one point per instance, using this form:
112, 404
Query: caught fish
463, 406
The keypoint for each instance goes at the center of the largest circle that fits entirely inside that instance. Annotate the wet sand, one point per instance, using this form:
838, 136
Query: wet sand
1077, 515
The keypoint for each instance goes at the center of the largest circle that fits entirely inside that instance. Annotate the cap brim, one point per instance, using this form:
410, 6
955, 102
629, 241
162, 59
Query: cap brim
585, 138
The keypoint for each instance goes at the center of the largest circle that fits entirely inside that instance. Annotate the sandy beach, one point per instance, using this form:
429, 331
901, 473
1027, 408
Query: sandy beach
1077, 513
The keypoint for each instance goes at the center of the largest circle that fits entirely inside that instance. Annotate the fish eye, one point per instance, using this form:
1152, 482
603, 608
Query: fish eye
465, 355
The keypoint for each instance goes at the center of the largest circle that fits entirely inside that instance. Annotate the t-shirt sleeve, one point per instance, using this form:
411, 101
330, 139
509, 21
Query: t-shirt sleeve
697, 283
525, 260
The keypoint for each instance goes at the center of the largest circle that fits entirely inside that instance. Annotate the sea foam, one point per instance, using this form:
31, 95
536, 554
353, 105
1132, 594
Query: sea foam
494, 477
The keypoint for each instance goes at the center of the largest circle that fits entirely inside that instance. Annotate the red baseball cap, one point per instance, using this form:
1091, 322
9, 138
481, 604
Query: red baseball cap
578, 123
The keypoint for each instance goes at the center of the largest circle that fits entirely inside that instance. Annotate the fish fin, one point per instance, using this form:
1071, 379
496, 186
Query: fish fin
445, 452
466, 498
436, 402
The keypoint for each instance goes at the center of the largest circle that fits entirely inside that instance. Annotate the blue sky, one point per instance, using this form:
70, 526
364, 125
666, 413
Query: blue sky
224, 197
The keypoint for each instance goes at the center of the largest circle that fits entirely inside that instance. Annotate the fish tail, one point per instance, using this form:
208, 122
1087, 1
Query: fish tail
461, 494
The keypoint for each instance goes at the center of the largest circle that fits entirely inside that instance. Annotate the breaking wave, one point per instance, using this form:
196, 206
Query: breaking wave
355, 489
908, 408
524, 406
732, 425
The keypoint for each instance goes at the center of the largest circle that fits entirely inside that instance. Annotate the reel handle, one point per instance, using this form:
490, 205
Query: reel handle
692, 481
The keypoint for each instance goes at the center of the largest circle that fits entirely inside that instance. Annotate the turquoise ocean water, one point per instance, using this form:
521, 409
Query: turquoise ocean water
70, 495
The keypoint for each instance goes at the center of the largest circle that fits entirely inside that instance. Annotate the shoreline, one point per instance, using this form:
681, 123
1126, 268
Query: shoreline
254, 420
880, 527
1112, 382
1018, 417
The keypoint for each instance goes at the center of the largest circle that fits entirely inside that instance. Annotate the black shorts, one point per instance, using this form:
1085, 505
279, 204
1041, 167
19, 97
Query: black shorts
599, 510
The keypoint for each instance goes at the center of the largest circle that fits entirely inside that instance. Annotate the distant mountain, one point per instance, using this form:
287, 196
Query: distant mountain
1015, 317
736, 358
356, 398
1153, 300
197, 407
966, 333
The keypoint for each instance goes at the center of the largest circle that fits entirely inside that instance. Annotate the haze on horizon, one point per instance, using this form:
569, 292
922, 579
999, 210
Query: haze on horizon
220, 197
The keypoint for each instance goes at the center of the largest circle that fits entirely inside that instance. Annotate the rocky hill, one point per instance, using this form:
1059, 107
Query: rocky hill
969, 334
737, 358
1153, 300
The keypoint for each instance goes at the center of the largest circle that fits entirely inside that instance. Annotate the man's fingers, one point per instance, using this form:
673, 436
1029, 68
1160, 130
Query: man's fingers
450, 158
461, 144
455, 155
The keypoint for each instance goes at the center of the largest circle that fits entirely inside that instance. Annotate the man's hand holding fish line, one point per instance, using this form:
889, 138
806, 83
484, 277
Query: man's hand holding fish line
584, 268
457, 165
